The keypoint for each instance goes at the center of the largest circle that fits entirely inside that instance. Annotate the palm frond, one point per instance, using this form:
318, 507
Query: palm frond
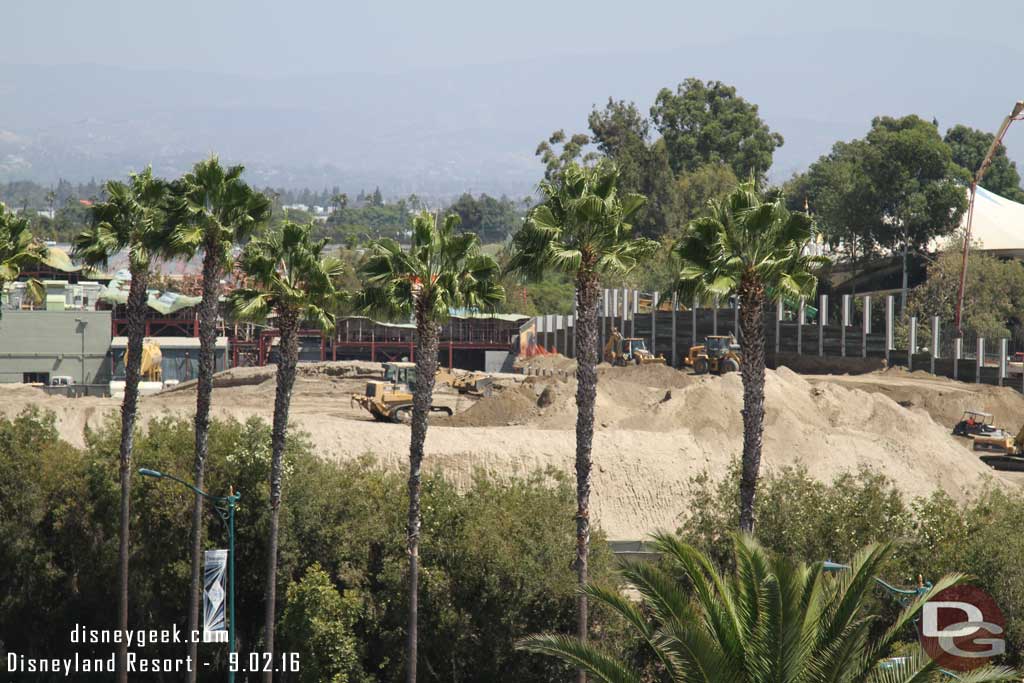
602, 666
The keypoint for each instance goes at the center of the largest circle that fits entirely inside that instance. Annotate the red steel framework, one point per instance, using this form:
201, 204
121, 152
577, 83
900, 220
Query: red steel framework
353, 337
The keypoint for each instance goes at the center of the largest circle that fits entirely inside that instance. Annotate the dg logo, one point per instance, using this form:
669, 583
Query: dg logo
962, 628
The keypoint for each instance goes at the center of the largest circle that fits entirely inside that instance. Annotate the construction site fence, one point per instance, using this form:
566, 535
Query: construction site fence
851, 326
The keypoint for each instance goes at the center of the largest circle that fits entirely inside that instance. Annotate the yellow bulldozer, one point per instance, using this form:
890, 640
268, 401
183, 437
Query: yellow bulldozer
390, 400
621, 351
718, 354
1003, 452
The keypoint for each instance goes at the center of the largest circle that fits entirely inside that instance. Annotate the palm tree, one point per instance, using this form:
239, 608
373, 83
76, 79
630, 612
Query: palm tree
132, 218
18, 249
752, 247
441, 270
582, 228
770, 621
292, 280
215, 209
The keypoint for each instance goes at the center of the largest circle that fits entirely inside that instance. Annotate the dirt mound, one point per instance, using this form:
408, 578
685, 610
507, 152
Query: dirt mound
506, 406
552, 361
941, 398
656, 428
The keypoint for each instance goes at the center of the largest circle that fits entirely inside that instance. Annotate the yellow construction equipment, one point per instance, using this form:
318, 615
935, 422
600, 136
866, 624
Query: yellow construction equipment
718, 354
472, 383
152, 359
391, 400
621, 350
1005, 453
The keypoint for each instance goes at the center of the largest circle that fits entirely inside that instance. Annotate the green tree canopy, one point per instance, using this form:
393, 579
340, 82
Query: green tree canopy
993, 296
704, 122
18, 249
692, 161
493, 219
969, 147
897, 187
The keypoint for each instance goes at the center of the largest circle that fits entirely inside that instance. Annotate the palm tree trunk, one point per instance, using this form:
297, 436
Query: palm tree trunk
288, 358
129, 411
208, 311
587, 292
752, 372
423, 395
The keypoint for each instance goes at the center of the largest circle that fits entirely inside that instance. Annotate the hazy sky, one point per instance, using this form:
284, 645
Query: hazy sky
329, 36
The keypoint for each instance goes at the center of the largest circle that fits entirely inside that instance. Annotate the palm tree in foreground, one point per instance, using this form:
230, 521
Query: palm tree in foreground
582, 228
131, 218
18, 249
292, 280
770, 621
751, 247
214, 210
441, 271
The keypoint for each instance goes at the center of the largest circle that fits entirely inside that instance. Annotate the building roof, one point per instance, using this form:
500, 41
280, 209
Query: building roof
164, 302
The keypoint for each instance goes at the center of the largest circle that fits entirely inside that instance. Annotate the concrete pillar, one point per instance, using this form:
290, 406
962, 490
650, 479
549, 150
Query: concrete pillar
560, 325
935, 342
693, 315
570, 331
633, 311
675, 308
778, 323
958, 350
625, 312
845, 320
654, 323
1002, 361
822, 322
801, 318
615, 312
736, 317
911, 342
714, 318
979, 360
865, 329
605, 308
889, 307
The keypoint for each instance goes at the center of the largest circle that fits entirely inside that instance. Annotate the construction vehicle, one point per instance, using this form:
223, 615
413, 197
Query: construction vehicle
1005, 453
472, 383
621, 351
152, 361
390, 400
974, 422
718, 354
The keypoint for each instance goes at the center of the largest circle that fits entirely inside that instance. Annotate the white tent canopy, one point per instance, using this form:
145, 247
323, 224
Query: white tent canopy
998, 224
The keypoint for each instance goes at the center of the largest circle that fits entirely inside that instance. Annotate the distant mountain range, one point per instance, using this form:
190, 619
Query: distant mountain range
443, 131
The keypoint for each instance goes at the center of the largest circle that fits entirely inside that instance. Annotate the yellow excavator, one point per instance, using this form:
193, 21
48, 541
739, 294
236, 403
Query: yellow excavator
152, 359
718, 354
391, 400
621, 350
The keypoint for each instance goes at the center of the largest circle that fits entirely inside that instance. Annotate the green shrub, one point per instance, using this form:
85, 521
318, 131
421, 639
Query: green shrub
809, 520
495, 557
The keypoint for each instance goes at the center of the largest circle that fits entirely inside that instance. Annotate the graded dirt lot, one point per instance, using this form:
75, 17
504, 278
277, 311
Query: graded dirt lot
656, 427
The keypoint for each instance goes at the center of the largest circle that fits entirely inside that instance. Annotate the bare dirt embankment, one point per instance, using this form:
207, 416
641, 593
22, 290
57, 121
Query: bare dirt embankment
656, 428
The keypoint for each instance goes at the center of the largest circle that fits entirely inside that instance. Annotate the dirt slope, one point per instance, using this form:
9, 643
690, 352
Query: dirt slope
656, 428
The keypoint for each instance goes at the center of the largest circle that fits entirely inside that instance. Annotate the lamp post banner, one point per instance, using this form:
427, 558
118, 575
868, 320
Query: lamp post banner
215, 564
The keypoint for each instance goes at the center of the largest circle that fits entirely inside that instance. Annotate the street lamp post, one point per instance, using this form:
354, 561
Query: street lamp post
225, 507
